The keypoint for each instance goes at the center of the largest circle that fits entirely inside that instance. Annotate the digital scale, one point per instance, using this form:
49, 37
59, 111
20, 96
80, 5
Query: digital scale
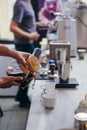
72, 83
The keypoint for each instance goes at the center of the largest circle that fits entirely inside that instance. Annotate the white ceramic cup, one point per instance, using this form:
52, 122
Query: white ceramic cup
49, 98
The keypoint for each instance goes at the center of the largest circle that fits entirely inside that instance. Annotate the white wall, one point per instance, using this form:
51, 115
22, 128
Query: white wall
5, 20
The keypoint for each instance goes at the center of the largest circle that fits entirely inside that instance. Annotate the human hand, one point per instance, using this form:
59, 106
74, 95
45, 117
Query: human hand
9, 81
34, 36
21, 57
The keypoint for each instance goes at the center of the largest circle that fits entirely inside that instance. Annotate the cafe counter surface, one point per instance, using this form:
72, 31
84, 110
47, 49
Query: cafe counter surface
62, 116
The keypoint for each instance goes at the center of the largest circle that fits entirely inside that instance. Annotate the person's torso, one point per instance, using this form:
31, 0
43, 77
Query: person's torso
24, 15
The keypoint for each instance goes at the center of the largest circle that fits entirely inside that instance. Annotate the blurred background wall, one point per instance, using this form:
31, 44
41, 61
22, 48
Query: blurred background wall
5, 12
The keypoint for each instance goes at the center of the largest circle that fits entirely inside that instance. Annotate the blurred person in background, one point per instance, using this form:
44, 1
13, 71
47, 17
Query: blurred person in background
49, 7
23, 26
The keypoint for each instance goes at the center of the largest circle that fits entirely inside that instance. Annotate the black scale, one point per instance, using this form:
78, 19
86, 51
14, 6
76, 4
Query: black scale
72, 83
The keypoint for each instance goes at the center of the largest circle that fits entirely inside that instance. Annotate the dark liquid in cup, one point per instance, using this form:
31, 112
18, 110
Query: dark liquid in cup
15, 73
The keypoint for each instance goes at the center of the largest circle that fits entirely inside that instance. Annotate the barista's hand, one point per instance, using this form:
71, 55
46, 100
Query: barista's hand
21, 57
9, 81
34, 36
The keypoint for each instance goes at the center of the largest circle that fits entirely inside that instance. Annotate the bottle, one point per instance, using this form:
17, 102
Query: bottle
51, 66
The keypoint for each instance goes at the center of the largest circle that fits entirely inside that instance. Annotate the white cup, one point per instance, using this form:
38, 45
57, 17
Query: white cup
81, 53
47, 86
49, 98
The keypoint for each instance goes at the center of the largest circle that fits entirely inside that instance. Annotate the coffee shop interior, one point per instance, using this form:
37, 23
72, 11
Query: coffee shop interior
58, 92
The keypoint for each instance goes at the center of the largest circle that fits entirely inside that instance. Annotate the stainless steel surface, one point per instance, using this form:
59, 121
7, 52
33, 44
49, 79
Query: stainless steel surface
81, 22
67, 32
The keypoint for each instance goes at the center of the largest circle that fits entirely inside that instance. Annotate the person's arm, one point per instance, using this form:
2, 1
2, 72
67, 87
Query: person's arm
21, 33
9, 81
20, 56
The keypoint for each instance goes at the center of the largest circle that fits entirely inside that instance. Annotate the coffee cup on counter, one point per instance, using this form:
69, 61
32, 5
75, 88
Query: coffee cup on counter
81, 121
81, 53
49, 98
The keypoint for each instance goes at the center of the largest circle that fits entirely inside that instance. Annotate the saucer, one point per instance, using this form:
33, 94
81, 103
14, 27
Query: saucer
81, 116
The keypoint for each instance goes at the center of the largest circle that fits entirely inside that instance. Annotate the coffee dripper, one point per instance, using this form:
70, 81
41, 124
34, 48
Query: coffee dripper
16, 69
